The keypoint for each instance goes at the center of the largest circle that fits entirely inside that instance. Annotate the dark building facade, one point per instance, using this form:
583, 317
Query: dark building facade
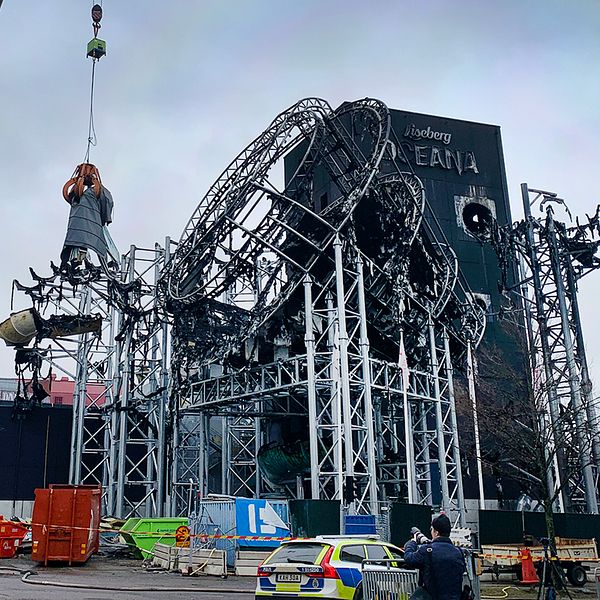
461, 166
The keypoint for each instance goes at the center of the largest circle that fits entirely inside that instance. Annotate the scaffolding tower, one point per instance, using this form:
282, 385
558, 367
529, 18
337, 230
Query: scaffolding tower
552, 257
119, 431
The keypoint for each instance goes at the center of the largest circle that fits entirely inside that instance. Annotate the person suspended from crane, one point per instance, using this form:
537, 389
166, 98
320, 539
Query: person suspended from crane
91, 202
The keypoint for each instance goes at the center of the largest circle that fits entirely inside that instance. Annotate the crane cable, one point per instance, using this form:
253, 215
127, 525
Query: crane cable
96, 50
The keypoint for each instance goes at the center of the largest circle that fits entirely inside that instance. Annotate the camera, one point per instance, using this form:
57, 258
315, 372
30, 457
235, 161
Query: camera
419, 536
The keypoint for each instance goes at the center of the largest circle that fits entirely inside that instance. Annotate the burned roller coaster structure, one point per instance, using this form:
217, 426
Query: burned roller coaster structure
295, 342
319, 333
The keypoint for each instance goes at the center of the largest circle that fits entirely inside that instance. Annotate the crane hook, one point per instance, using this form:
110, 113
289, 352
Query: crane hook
96, 18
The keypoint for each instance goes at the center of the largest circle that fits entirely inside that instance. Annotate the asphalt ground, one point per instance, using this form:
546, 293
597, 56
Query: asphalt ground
104, 578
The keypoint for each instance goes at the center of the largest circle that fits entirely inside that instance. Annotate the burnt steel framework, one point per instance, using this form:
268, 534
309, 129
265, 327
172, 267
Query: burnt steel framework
337, 320
306, 345
552, 257
119, 436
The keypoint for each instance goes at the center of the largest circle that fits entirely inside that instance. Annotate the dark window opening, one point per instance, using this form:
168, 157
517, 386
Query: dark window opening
481, 303
478, 219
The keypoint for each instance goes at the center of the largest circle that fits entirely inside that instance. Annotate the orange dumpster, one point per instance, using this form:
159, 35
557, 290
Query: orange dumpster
65, 523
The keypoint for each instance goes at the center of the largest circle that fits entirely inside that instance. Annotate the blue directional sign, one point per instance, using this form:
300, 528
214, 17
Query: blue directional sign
258, 518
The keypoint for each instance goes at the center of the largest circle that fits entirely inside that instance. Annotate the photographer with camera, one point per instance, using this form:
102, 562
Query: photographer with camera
441, 564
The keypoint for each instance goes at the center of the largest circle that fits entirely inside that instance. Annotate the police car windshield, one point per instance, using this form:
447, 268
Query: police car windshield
300, 553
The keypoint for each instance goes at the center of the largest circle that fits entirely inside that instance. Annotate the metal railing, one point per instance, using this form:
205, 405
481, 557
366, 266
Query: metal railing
383, 580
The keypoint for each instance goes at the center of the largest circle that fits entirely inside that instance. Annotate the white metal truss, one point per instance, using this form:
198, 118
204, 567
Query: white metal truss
418, 441
259, 263
548, 292
119, 430
375, 412
141, 381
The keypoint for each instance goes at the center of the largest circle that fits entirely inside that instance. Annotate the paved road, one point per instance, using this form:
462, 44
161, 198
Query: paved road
105, 573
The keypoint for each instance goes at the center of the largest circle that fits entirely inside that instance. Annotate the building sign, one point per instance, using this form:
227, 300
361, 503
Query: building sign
258, 518
414, 133
440, 156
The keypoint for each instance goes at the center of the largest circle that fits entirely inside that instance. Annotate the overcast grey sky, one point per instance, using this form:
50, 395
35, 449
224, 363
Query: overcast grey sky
186, 84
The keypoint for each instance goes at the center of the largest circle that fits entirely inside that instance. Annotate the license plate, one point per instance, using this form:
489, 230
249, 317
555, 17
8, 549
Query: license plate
288, 577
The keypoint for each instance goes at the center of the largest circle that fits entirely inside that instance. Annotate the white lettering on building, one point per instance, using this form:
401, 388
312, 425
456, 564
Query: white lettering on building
414, 133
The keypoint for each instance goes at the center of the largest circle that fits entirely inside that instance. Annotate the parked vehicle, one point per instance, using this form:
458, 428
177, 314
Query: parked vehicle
573, 554
321, 567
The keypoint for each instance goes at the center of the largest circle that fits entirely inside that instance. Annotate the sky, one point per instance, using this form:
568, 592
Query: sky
187, 84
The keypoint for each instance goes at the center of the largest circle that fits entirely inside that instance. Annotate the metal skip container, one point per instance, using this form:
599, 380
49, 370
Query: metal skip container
11, 537
65, 523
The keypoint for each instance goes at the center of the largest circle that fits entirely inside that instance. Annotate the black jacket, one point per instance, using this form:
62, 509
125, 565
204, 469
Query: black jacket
441, 566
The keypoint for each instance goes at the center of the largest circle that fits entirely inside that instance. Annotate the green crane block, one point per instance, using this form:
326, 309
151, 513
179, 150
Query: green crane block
96, 48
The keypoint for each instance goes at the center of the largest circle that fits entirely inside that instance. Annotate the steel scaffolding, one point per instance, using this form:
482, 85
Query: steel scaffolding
120, 403
302, 338
285, 312
552, 257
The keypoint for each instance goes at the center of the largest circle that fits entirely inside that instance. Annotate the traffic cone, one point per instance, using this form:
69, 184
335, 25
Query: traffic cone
528, 572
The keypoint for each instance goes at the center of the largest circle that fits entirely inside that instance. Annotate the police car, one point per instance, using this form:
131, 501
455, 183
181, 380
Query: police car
322, 567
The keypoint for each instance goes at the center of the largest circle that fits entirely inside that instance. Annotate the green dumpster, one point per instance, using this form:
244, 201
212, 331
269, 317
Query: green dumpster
141, 534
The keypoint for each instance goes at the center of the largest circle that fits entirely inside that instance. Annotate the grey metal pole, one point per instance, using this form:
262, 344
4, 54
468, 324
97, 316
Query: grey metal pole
163, 399
225, 457
344, 369
409, 441
309, 340
109, 399
586, 383
441, 443
473, 398
116, 415
125, 400
203, 434
336, 403
460, 495
257, 445
77, 440
367, 399
177, 460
